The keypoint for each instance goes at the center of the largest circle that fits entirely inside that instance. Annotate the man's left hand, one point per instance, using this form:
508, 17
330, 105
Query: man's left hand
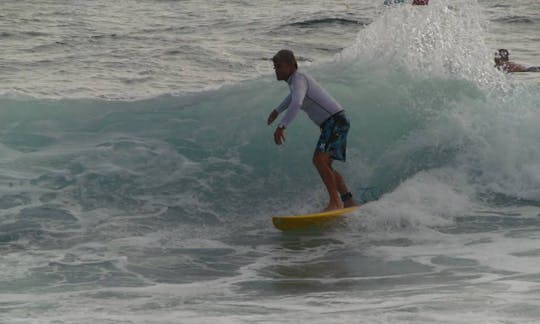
279, 135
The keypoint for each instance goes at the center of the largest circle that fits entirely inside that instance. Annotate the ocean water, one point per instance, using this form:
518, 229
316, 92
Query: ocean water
138, 177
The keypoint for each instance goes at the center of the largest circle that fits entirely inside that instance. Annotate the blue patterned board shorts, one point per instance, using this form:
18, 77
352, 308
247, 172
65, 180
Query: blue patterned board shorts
333, 139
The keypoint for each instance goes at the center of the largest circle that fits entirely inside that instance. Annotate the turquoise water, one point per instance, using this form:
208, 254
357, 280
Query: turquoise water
150, 201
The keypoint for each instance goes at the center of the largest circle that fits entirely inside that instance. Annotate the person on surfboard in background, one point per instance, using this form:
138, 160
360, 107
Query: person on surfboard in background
502, 62
325, 112
420, 2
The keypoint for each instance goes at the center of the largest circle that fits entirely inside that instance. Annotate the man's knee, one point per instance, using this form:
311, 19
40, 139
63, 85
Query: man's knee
321, 159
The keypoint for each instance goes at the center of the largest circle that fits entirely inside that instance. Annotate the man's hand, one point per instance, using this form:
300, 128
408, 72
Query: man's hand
273, 115
279, 135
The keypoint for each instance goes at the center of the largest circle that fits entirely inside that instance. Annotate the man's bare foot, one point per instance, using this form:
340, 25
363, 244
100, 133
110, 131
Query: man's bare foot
332, 207
350, 203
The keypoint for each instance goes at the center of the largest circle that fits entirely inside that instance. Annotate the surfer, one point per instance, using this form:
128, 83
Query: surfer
323, 110
503, 63
420, 2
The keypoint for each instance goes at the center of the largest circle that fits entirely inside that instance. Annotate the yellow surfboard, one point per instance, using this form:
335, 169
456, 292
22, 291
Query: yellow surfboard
297, 222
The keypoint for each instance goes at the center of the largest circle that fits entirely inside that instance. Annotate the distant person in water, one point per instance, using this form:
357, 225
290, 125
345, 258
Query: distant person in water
420, 2
306, 94
503, 63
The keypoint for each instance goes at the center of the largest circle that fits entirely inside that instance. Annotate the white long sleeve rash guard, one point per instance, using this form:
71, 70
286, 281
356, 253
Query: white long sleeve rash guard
308, 95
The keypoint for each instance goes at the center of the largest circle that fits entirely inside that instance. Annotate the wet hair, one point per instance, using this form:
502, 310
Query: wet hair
285, 56
502, 54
